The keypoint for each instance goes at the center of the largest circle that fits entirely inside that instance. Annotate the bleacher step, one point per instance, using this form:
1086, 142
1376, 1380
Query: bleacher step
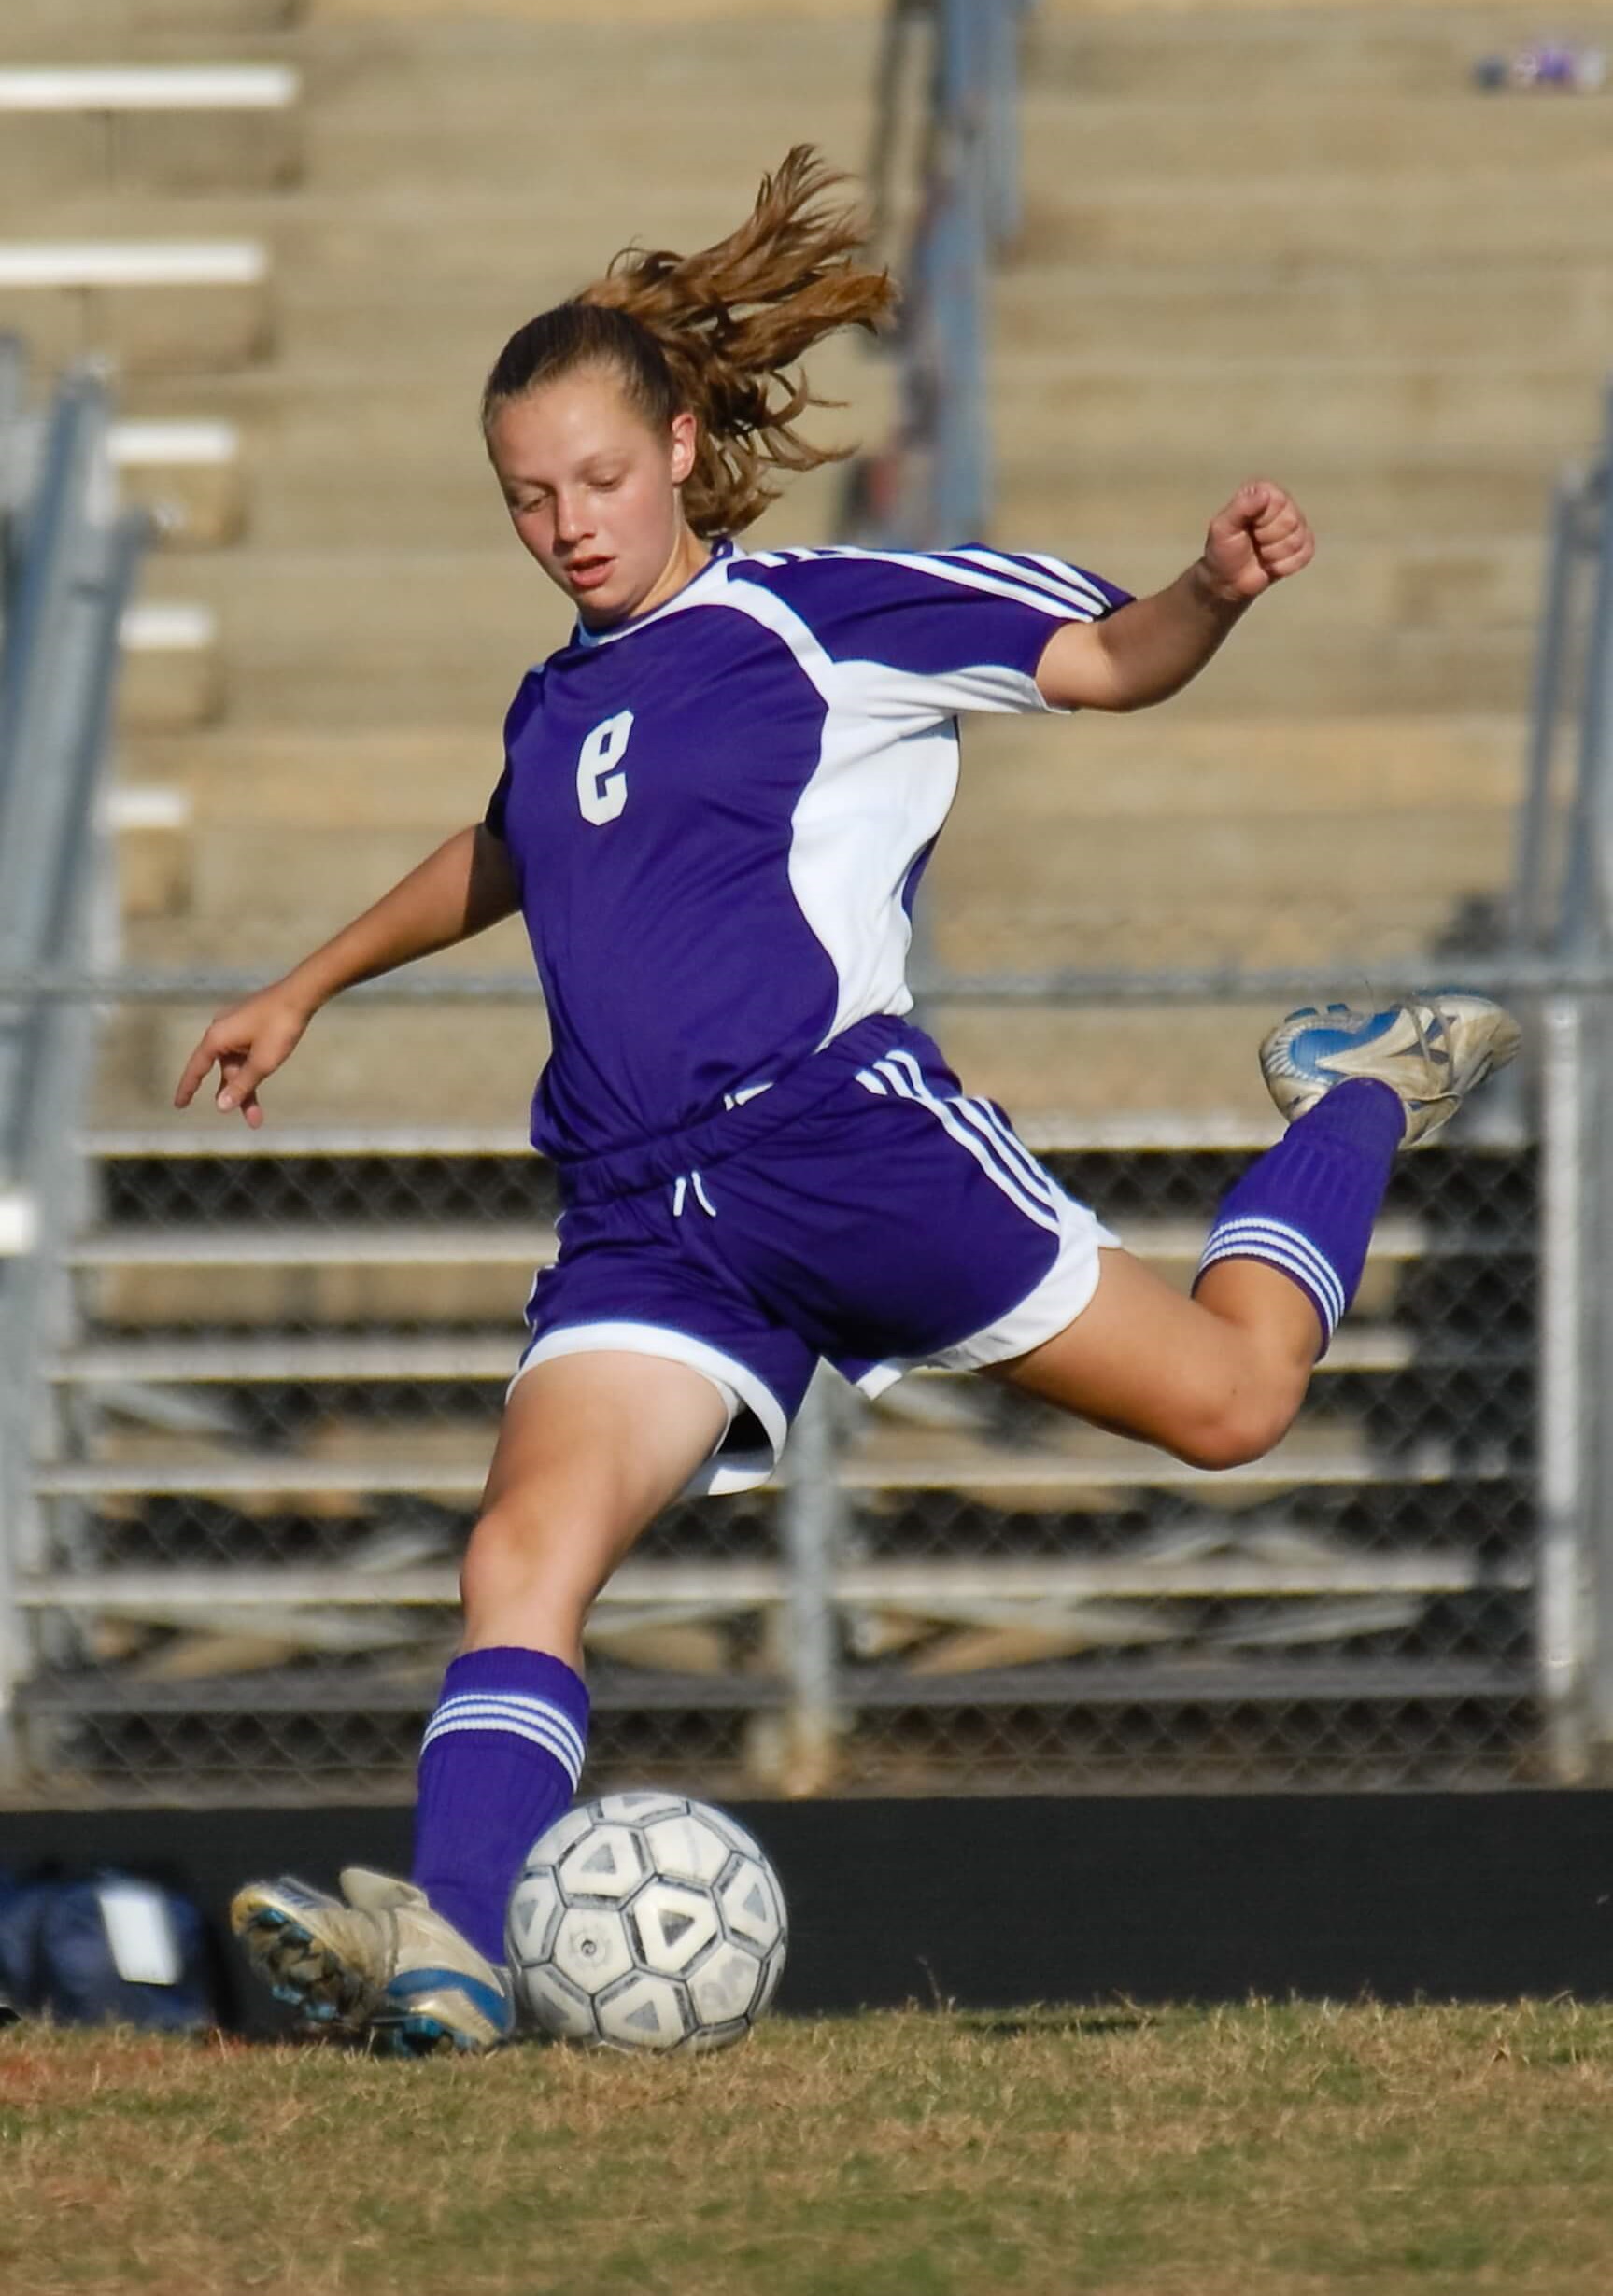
295, 1359
1158, 1680
172, 673
72, 27
1397, 1237
175, 307
188, 474
1256, 55
1087, 1470
934, 1588
1090, 509
75, 129
1534, 399
1442, 311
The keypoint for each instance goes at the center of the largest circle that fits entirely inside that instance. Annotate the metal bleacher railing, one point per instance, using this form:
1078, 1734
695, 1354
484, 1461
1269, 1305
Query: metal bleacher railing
962, 206
262, 1373
67, 566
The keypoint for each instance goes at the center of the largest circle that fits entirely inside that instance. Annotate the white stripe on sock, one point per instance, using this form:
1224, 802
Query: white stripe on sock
1270, 1257
515, 1704
534, 1736
1252, 1231
492, 1710
494, 1705
1330, 1298
1328, 1294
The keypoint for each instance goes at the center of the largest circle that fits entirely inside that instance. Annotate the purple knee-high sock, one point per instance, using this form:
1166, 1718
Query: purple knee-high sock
498, 1766
1306, 1207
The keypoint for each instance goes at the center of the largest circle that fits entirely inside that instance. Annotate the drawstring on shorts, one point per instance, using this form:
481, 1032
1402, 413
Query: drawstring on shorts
691, 1183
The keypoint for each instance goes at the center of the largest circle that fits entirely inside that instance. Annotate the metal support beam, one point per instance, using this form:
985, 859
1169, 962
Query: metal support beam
70, 568
1564, 1593
812, 1522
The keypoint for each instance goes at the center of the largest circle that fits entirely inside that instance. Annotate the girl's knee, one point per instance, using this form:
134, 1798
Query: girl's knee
524, 1561
1240, 1425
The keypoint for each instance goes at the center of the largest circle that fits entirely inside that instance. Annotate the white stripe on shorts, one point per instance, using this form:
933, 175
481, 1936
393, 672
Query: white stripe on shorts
1013, 1149
1016, 1159
913, 1087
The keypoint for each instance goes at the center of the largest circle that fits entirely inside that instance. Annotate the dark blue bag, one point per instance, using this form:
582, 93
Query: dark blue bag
106, 1948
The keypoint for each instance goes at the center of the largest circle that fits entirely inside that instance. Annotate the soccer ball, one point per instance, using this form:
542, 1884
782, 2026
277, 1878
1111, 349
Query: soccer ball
645, 1921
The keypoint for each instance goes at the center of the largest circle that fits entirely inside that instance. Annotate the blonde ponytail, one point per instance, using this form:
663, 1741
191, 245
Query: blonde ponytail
718, 333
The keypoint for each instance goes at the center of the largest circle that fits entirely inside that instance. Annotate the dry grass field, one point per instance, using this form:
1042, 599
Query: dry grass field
1181, 2153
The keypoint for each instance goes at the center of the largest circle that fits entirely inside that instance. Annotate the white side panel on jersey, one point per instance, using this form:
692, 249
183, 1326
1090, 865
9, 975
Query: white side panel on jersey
858, 827
868, 811
872, 804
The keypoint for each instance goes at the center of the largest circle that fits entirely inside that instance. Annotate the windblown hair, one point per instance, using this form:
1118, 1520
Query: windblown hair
717, 334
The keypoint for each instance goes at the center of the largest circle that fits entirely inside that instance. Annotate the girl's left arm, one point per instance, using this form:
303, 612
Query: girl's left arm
1147, 651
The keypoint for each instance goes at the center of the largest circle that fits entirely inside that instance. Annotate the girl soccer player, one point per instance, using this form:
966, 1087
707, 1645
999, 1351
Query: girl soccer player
717, 799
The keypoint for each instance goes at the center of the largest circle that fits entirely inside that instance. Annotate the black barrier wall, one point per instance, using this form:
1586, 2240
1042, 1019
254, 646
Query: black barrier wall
998, 1904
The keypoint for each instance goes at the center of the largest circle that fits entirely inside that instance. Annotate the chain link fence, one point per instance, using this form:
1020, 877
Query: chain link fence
271, 1382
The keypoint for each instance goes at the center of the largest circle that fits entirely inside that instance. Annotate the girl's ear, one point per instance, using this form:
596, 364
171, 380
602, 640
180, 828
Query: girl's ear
686, 435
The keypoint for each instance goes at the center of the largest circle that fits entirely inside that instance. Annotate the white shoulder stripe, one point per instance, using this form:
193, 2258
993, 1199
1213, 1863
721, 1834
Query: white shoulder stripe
1062, 571
1060, 582
1018, 589
1050, 587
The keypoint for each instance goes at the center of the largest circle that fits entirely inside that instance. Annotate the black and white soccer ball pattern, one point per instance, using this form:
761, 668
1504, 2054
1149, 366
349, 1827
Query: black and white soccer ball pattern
645, 1921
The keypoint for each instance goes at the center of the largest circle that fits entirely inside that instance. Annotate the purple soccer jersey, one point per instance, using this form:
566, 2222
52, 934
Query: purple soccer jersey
718, 814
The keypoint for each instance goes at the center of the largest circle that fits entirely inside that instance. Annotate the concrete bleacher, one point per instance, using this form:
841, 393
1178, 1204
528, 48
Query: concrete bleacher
188, 475
1297, 243
1361, 304
151, 305
314, 688
183, 128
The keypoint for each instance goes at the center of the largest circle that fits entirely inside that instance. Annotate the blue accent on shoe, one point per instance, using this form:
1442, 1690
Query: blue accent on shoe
492, 2001
1320, 1044
414, 2037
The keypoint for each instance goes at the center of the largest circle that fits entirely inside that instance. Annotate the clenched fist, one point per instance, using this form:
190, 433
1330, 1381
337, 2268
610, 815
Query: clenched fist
1260, 538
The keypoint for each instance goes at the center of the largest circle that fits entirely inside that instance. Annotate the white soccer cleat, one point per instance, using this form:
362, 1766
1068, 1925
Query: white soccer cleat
1431, 1053
382, 1963
303, 1944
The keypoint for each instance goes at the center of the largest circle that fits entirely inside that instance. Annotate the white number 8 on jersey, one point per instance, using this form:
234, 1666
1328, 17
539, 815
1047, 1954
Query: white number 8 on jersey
602, 786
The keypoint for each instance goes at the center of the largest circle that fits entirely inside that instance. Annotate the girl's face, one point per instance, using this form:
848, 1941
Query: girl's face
593, 493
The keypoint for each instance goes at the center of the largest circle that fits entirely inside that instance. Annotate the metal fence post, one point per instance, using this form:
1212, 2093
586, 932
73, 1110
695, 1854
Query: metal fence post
1566, 1373
814, 1510
1531, 890
13, 389
1003, 32
1596, 1249
959, 256
1595, 785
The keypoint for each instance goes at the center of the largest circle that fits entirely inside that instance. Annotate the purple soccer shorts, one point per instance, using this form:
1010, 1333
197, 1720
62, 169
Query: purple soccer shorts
861, 1209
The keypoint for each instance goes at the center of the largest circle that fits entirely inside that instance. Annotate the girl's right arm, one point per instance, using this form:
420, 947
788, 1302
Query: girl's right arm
464, 887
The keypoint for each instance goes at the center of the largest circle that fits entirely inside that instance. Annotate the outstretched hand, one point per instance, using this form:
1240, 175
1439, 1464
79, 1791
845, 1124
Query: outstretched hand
248, 1044
1260, 538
